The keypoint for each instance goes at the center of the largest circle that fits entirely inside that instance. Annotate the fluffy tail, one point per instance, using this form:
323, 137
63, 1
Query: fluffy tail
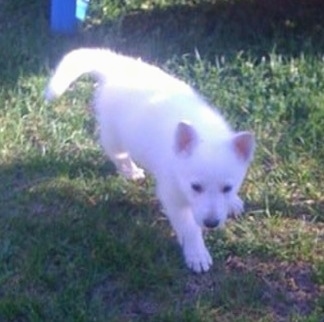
75, 64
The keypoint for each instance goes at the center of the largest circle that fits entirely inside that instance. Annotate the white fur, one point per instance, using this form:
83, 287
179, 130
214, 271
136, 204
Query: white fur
151, 118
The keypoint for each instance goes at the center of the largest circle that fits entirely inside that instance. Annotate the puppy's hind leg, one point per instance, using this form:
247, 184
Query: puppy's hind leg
121, 159
127, 168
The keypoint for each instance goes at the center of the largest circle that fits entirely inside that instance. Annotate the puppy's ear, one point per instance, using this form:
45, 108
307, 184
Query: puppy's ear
244, 143
185, 138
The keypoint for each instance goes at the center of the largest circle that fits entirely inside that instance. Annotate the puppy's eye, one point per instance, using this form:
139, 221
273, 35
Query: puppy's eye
227, 189
196, 187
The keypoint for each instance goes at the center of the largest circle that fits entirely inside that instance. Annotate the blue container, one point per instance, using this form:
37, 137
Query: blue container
81, 9
63, 18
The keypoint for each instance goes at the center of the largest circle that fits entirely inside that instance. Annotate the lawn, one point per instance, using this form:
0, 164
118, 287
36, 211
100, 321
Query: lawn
79, 243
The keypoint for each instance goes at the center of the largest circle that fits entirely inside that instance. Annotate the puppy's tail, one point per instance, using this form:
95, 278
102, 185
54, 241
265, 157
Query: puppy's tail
76, 63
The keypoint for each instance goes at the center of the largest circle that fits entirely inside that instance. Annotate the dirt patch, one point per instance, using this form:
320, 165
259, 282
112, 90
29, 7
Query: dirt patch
242, 285
288, 286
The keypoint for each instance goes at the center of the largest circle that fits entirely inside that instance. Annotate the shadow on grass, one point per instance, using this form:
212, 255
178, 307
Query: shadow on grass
226, 28
102, 241
38, 175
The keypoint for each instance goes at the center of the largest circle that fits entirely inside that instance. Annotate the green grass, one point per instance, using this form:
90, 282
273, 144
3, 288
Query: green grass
79, 243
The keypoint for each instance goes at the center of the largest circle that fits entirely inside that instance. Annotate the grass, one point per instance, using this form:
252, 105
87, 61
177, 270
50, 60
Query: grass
78, 243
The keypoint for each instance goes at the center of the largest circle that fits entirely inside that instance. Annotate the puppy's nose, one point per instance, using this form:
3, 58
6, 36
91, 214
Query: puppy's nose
211, 222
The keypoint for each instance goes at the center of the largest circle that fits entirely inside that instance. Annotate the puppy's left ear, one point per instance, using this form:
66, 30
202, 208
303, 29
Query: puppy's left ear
244, 144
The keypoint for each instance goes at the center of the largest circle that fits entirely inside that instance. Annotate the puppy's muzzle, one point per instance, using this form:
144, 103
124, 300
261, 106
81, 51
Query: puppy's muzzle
211, 222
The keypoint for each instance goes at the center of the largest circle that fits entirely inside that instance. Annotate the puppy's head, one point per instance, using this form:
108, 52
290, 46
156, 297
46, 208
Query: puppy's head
210, 171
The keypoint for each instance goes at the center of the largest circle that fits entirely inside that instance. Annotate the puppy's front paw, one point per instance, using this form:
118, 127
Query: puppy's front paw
198, 258
237, 206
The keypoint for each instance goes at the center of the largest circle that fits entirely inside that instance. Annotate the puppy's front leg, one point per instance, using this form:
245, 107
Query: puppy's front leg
191, 239
236, 206
189, 234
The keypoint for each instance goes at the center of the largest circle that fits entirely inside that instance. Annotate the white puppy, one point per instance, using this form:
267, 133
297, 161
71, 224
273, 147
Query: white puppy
151, 118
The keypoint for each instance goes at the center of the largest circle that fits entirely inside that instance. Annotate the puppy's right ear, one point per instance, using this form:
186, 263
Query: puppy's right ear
185, 138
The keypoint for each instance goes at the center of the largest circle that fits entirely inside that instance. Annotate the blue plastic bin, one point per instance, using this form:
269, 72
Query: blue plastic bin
63, 19
64, 14
81, 9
